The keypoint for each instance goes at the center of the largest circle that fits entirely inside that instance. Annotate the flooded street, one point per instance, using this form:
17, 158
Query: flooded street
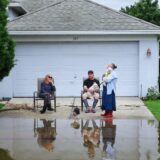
62, 139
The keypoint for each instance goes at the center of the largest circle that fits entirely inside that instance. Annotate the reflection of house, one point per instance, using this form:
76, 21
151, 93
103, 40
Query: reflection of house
136, 140
67, 36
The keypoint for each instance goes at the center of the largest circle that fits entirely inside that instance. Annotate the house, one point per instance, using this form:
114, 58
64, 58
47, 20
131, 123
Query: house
69, 37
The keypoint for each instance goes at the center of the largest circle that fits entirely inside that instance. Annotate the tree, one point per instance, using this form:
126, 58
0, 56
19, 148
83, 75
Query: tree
6, 43
147, 10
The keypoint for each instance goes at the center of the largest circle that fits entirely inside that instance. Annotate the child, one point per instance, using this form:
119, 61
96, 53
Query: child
108, 72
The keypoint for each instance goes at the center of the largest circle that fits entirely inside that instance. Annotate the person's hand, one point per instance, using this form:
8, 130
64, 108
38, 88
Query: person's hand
85, 89
91, 89
103, 75
46, 94
51, 81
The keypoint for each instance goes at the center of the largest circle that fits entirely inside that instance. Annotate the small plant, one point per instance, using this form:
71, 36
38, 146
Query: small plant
1, 105
153, 93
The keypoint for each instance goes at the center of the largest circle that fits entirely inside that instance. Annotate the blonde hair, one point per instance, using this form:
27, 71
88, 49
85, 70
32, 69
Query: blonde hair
46, 76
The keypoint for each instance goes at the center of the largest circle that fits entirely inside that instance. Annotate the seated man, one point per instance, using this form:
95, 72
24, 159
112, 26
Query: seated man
91, 90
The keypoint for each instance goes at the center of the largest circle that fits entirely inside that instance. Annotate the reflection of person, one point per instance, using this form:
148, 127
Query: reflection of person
109, 134
109, 88
91, 90
46, 135
47, 88
91, 137
75, 124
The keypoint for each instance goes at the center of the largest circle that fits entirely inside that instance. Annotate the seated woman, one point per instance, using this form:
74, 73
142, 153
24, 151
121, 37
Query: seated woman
47, 88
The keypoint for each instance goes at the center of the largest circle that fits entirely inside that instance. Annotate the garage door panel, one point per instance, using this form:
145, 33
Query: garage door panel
69, 63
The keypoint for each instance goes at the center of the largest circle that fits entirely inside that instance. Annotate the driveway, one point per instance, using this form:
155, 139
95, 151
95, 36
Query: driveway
127, 107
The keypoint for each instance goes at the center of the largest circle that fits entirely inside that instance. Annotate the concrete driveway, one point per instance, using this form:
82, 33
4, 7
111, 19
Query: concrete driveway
127, 107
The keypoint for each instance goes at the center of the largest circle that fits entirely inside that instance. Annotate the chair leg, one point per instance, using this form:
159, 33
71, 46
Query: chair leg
81, 125
37, 105
55, 104
34, 104
81, 104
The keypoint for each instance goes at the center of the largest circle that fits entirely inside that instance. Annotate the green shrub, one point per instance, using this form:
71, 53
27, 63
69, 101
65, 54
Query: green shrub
1, 105
153, 93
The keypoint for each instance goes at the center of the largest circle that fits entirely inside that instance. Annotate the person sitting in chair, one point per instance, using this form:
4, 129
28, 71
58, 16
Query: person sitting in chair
91, 87
47, 89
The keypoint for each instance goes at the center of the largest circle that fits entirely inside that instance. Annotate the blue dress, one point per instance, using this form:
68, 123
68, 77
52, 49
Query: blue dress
108, 101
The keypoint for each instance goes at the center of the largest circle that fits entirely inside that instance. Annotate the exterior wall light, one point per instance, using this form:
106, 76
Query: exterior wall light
149, 52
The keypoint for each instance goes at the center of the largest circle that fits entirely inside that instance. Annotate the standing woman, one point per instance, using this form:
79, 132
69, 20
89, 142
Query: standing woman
47, 88
109, 88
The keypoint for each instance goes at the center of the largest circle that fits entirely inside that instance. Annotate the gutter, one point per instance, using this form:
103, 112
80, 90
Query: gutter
117, 32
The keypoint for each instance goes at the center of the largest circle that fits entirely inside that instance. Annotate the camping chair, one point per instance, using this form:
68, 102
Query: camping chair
100, 95
36, 97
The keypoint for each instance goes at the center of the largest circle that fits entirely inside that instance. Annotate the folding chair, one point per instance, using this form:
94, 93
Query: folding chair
82, 92
36, 97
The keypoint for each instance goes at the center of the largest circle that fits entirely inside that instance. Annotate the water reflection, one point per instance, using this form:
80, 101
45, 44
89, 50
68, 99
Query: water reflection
108, 136
39, 139
46, 134
4, 154
91, 137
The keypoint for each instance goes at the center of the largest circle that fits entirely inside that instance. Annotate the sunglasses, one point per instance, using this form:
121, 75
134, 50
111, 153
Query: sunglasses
50, 77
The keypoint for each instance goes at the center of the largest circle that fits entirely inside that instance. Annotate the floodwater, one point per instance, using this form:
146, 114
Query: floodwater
61, 139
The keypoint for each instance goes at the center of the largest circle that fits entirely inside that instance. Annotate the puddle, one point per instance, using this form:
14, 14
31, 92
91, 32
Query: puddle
39, 139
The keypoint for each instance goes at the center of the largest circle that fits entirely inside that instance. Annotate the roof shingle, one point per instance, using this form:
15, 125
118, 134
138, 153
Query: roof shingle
77, 15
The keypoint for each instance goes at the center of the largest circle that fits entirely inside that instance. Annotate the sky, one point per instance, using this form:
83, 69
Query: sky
117, 4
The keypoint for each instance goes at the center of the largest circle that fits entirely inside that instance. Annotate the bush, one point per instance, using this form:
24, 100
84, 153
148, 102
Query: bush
153, 93
7, 45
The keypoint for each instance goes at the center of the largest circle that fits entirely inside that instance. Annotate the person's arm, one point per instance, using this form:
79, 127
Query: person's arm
98, 88
53, 88
85, 88
110, 77
52, 85
42, 88
98, 83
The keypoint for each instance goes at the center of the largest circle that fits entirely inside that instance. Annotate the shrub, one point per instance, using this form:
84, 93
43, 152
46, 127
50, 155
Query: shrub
153, 93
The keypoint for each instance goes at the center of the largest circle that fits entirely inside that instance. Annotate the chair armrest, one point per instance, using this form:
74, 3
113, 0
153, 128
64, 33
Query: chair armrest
54, 93
82, 91
35, 94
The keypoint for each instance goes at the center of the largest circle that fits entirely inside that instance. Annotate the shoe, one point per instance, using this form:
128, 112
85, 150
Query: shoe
50, 109
87, 110
104, 114
93, 110
42, 111
109, 114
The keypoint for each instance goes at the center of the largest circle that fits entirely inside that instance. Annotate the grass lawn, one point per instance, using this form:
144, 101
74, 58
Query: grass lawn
1, 105
154, 107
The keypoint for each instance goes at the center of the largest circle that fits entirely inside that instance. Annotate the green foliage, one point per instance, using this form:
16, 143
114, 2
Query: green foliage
153, 93
154, 107
6, 43
4, 154
147, 10
1, 105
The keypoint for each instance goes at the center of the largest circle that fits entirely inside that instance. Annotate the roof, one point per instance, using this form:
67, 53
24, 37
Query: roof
77, 15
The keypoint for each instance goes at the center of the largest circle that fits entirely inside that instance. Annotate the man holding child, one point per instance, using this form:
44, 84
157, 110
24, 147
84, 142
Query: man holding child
91, 87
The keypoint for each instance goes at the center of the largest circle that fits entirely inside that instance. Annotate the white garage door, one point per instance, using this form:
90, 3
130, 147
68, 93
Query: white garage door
69, 62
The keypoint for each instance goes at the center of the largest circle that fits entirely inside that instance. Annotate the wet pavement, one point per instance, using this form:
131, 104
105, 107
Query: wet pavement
63, 139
